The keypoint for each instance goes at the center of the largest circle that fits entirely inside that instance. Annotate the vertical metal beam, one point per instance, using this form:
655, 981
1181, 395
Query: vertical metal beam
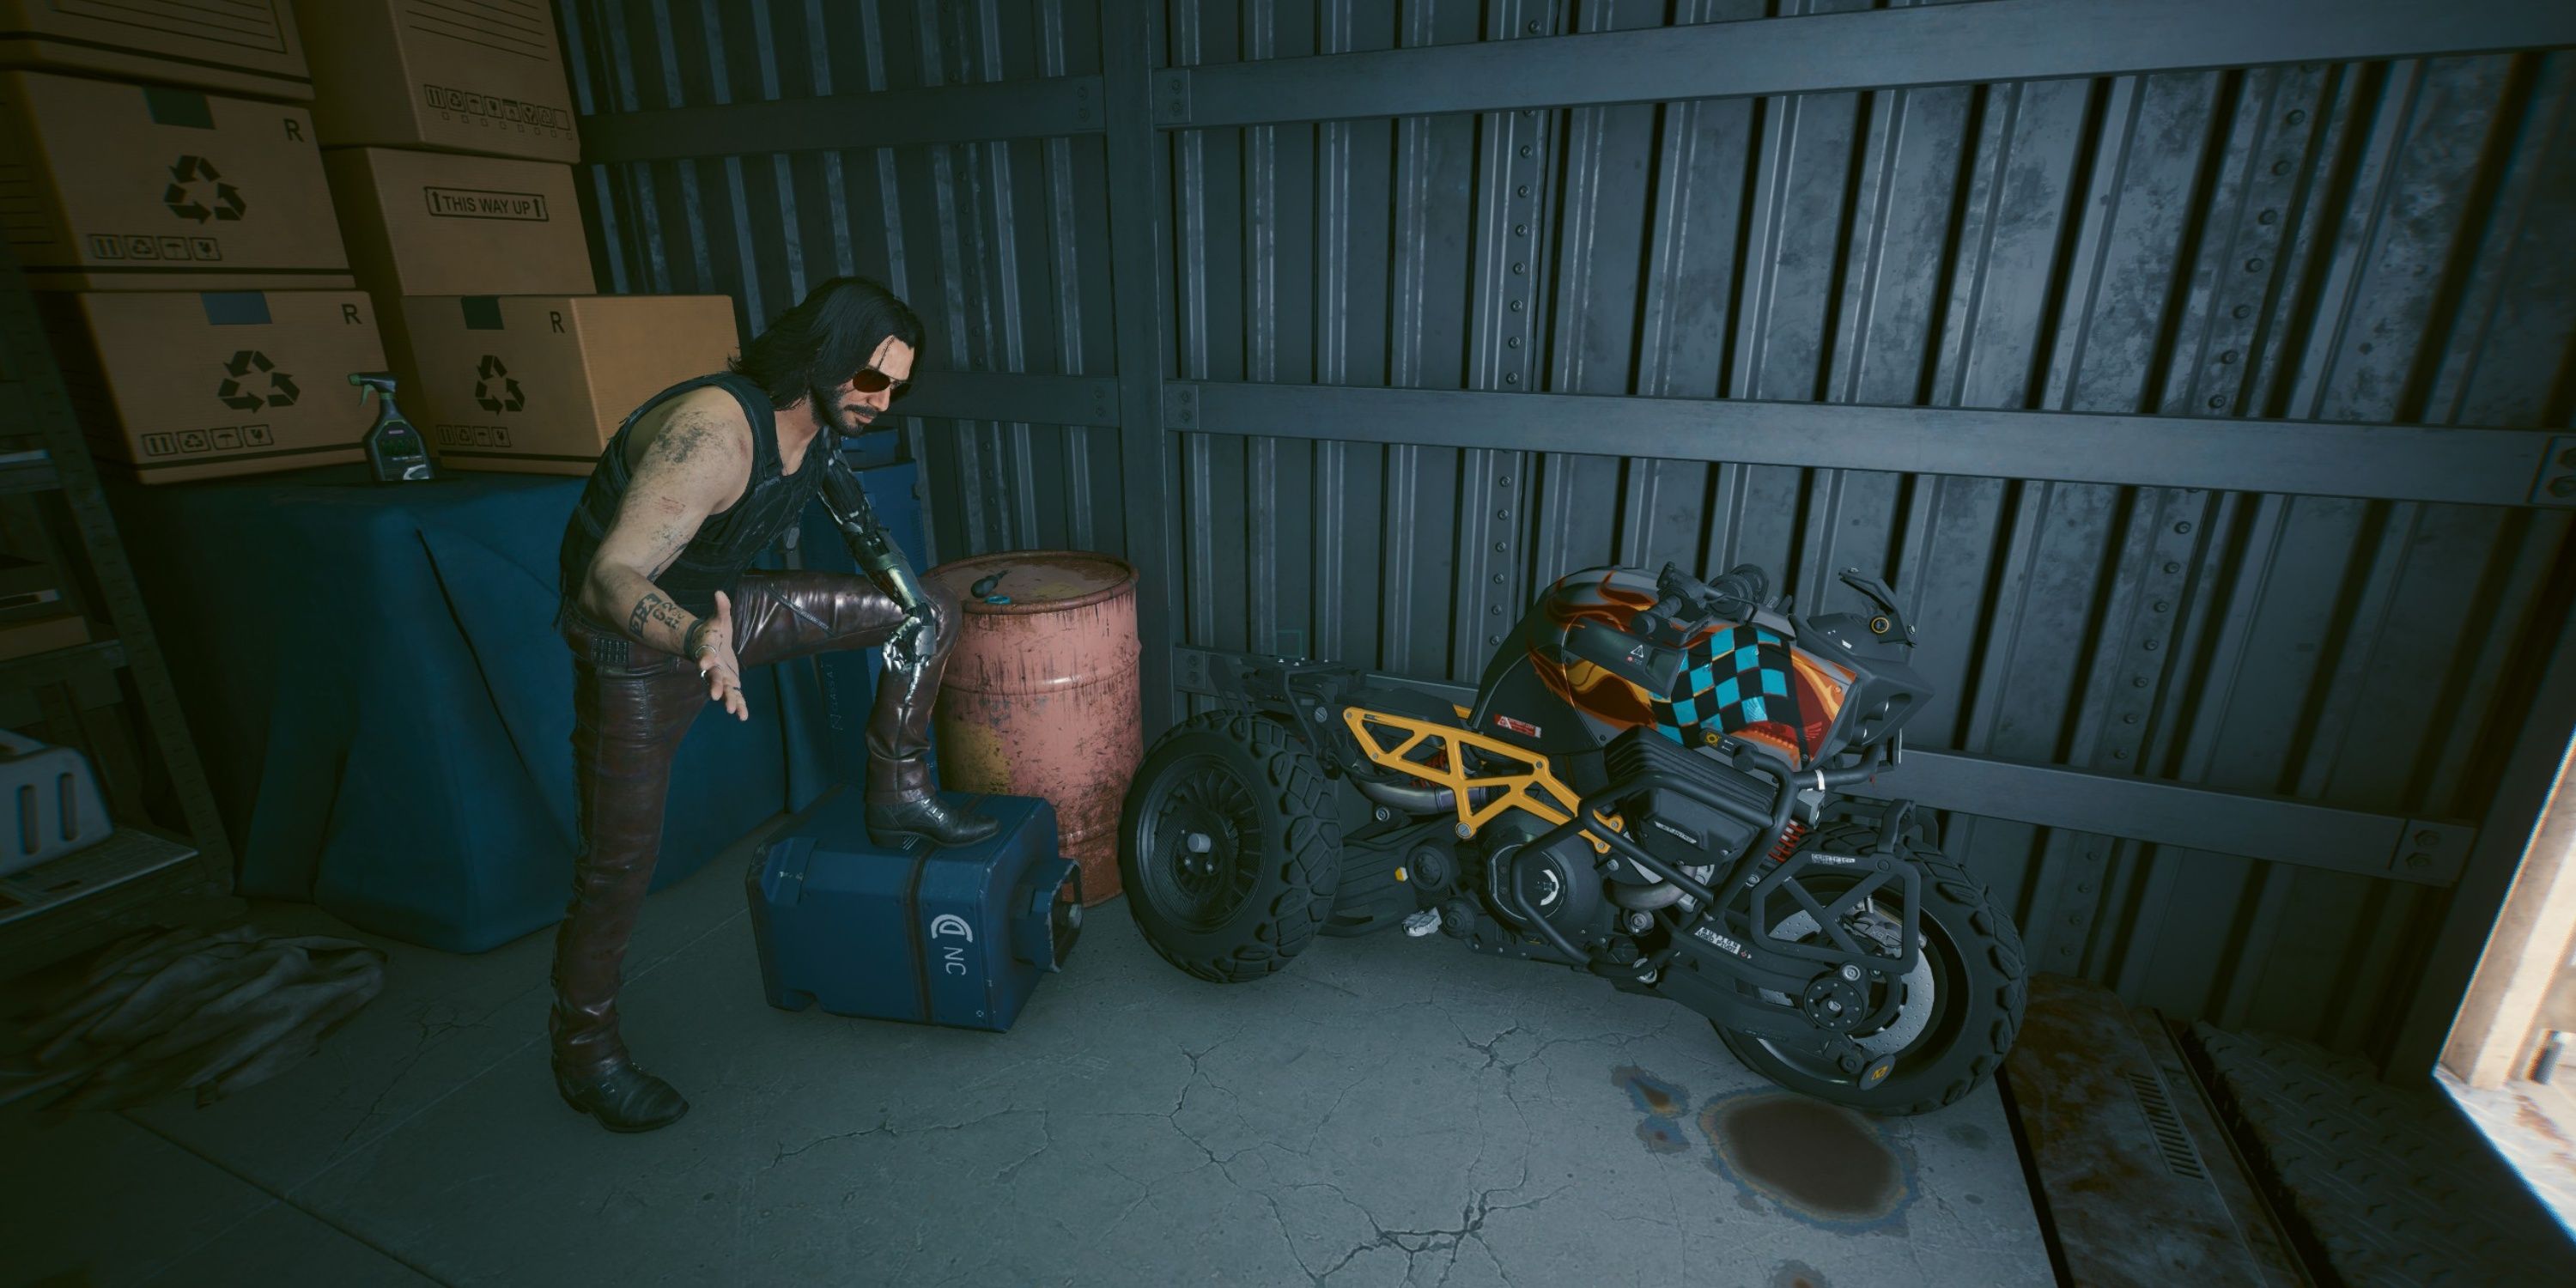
1064, 246
2522, 789
1131, 44
1335, 179
1516, 159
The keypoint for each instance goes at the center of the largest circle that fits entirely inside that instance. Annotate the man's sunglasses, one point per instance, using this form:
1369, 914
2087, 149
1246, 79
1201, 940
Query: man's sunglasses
869, 380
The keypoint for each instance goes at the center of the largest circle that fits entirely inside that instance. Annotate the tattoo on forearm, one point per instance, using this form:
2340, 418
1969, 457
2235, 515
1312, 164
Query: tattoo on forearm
654, 608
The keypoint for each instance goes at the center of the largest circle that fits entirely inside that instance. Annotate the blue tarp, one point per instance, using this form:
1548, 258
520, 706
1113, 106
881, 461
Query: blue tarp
374, 683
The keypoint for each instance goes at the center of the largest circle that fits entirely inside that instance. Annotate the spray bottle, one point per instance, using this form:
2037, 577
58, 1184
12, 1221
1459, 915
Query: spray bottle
395, 450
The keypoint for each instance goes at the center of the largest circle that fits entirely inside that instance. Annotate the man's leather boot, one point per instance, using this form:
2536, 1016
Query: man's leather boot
909, 806
902, 800
623, 1098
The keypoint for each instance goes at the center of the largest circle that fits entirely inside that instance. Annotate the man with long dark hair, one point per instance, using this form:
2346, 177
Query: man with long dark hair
662, 618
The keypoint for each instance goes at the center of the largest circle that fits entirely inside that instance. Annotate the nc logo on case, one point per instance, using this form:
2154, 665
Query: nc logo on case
952, 957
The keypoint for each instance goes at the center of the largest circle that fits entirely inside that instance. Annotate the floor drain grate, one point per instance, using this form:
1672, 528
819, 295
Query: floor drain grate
2170, 1136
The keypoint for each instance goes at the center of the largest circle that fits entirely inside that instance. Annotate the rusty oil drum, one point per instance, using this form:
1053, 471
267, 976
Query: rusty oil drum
1043, 696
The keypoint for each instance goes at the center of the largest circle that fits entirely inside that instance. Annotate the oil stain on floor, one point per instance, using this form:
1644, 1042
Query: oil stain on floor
1820, 1163
1663, 1105
1797, 1274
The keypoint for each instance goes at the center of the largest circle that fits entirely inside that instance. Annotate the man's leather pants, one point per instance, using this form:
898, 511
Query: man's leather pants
631, 706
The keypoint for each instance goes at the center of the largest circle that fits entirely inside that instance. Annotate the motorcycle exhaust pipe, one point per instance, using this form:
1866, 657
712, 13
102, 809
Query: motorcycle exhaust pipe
1644, 898
1409, 798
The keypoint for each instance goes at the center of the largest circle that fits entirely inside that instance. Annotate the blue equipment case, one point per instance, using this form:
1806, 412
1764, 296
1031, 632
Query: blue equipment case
952, 936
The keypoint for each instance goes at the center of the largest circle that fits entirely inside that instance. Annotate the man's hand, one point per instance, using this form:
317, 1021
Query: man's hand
711, 647
915, 639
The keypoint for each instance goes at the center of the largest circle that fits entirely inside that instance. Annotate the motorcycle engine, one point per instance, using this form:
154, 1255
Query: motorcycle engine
1584, 894
1685, 832
1560, 883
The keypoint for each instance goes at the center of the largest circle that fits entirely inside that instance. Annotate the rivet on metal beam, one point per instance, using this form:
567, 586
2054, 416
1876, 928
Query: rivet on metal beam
2556, 481
1172, 99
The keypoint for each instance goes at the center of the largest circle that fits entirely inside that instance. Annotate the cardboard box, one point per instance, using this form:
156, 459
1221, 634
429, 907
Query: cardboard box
176, 385
440, 223
536, 384
444, 223
119, 186
484, 77
231, 46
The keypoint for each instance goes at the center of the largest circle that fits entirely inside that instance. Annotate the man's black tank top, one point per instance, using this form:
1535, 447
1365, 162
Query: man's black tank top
730, 539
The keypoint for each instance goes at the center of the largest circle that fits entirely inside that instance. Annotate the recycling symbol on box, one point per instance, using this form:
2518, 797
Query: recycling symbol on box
281, 386
188, 200
494, 389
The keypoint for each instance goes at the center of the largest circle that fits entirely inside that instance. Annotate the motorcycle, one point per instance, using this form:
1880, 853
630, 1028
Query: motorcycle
1646, 789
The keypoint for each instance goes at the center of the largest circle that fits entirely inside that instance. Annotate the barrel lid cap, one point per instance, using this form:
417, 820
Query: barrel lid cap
1035, 581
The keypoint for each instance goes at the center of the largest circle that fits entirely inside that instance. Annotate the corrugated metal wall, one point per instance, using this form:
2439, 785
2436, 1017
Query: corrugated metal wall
2380, 242
1001, 247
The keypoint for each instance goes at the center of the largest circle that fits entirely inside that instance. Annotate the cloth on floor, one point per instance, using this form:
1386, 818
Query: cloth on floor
189, 1010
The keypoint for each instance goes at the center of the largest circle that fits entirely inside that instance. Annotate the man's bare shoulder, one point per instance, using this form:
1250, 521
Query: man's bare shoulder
703, 427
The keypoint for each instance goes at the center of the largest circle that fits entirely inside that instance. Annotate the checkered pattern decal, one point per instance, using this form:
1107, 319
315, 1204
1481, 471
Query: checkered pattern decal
1736, 677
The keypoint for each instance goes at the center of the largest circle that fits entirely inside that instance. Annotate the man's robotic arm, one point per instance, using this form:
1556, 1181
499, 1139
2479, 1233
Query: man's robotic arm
873, 548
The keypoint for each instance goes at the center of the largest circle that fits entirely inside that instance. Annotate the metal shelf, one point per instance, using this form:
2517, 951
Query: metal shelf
57, 665
128, 855
143, 875
30, 470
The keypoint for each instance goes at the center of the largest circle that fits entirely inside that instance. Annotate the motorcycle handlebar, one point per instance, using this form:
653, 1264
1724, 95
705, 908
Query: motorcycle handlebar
1744, 584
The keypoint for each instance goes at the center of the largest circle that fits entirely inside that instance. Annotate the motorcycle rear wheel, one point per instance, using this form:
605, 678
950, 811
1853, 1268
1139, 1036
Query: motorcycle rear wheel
1229, 847
1963, 1006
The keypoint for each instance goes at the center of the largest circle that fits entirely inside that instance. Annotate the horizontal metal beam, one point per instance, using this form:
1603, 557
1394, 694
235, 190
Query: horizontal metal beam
1047, 108
2271, 828
1012, 396
1950, 44
2397, 462
2423, 851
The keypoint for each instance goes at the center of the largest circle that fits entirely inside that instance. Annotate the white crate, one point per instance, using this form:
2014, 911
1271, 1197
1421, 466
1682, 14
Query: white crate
49, 803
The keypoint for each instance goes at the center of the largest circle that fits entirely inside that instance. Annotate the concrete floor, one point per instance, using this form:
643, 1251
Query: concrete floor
1388, 1111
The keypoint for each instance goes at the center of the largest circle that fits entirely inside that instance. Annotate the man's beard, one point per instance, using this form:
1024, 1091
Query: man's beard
839, 418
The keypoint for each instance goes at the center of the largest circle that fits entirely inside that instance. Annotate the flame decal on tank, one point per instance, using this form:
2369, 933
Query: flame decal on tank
1817, 686
1597, 692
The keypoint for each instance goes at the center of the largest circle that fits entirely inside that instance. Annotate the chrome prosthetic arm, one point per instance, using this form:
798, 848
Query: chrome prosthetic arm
873, 548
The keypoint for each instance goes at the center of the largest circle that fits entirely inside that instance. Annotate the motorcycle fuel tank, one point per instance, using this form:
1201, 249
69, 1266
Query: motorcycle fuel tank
1595, 642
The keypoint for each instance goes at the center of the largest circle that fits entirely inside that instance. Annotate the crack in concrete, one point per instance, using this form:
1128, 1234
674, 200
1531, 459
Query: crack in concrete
431, 1032
1182, 1100
1144, 1192
1047, 1143
1618, 1042
1326, 983
1417, 1243
1492, 1057
1281, 1220
884, 1125
1316, 1134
